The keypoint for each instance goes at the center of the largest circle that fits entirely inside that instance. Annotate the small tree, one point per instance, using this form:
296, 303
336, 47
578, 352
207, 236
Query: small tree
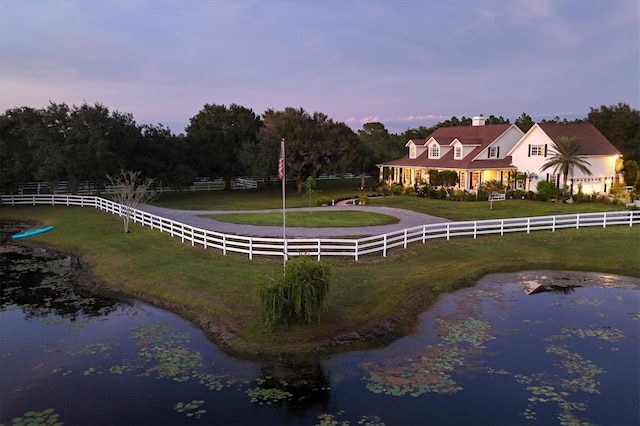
129, 190
300, 295
310, 192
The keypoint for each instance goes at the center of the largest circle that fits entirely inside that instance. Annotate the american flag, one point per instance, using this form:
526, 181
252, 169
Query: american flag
281, 161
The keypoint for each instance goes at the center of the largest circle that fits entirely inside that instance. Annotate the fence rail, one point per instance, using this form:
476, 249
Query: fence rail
344, 247
200, 184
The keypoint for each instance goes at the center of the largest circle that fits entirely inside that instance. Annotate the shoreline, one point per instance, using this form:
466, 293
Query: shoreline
390, 311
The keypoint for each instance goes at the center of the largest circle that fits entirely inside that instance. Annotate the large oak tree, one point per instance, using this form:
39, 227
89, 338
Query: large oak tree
217, 135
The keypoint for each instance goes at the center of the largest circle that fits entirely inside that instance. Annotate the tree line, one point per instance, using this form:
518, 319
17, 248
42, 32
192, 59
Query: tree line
90, 142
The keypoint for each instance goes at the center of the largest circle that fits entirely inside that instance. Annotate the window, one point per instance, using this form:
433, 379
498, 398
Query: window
536, 150
458, 152
493, 152
434, 151
412, 151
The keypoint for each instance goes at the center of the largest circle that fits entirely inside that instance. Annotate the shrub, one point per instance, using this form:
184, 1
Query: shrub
617, 189
545, 191
363, 200
393, 189
323, 201
300, 295
492, 186
580, 196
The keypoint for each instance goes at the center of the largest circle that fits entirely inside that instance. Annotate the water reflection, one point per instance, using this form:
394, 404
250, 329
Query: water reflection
41, 283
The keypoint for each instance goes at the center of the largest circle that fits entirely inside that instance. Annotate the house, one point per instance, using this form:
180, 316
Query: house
501, 152
478, 153
533, 150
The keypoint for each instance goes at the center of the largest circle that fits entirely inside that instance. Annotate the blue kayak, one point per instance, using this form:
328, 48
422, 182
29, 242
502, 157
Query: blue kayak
32, 232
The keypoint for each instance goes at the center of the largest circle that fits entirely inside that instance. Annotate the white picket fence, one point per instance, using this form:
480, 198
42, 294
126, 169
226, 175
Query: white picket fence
319, 247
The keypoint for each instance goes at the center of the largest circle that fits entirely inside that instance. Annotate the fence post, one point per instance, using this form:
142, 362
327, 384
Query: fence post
475, 229
604, 220
319, 249
528, 225
424, 234
405, 238
250, 248
501, 227
553, 224
630, 218
356, 253
384, 245
284, 249
224, 244
577, 221
448, 231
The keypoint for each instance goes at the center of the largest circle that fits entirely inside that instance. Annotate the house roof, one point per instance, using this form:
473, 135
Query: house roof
480, 137
447, 161
475, 134
593, 142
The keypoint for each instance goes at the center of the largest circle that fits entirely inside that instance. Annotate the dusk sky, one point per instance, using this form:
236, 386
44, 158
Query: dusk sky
402, 63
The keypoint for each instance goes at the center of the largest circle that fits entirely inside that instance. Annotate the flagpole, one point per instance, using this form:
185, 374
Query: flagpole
281, 169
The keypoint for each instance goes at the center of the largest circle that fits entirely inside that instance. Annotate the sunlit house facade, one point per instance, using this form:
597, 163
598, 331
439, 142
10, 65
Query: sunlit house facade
502, 152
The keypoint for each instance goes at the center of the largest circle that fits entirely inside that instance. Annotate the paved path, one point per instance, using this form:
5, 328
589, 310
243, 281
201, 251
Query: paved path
407, 219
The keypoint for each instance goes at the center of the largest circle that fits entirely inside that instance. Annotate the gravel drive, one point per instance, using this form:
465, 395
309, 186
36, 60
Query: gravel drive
407, 219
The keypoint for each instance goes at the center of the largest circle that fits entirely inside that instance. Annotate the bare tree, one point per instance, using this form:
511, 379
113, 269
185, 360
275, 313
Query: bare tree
129, 190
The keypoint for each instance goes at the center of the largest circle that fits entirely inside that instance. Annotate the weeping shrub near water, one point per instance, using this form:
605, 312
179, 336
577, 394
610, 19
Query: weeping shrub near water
300, 295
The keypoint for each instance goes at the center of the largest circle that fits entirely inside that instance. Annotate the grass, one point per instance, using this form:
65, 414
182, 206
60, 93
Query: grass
479, 210
316, 219
374, 297
270, 197
266, 197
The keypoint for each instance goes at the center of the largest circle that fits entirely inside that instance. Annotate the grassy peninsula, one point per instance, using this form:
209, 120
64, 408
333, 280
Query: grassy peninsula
371, 301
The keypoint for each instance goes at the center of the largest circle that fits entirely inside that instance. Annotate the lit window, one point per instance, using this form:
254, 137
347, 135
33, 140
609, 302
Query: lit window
536, 150
412, 152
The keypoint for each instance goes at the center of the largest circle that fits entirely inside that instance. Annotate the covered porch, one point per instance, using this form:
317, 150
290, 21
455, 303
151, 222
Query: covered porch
468, 180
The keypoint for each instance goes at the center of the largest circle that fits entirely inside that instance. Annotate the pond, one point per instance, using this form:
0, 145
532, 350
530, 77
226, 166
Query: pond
568, 353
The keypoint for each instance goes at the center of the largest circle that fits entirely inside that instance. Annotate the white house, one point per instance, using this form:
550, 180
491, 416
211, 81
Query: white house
478, 153
533, 150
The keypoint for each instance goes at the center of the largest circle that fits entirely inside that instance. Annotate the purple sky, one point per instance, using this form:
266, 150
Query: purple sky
403, 63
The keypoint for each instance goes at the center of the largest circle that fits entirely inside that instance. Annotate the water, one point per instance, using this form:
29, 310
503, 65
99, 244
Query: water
487, 355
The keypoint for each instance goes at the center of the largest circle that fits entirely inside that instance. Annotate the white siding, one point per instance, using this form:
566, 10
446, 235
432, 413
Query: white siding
504, 143
601, 167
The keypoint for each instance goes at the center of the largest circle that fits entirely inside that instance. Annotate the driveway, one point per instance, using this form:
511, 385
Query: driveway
407, 219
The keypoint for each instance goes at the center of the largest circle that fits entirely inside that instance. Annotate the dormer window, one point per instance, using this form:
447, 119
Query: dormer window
458, 153
434, 151
412, 151
493, 152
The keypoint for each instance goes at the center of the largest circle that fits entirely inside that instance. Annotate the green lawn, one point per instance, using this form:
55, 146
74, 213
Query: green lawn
217, 292
478, 210
265, 197
315, 219
270, 197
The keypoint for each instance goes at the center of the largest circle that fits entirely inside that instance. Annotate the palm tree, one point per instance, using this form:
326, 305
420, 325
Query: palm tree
566, 157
